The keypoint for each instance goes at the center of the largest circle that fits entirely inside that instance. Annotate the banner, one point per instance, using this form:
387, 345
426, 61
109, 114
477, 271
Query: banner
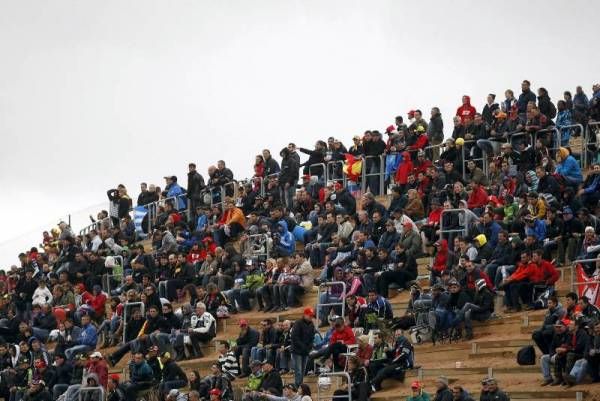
139, 212
590, 286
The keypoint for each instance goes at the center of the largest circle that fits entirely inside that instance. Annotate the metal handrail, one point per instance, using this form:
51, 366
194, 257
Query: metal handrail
442, 231
95, 226
324, 166
83, 390
331, 168
586, 141
556, 133
575, 284
346, 375
380, 174
331, 284
483, 159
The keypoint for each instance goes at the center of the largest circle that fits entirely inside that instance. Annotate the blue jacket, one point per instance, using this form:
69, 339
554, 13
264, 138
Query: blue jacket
202, 222
570, 169
391, 164
141, 373
287, 240
594, 185
88, 336
564, 118
538, 229
176, 190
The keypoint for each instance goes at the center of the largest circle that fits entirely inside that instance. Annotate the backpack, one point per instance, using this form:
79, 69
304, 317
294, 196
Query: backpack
526, 356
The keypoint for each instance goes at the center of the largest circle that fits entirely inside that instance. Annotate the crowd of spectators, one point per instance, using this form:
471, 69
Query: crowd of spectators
218, 247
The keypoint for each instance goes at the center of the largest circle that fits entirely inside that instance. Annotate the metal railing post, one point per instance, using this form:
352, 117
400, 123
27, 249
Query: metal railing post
346, 375
330, 284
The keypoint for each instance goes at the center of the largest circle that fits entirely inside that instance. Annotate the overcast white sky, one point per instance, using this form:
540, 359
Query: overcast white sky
96, 93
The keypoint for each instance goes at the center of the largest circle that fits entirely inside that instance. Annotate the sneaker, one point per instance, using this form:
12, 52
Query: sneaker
546, 382
556, 382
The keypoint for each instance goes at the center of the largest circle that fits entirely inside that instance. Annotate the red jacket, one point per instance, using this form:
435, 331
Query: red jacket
99, 304
478, 197
441, 257
346, 336
545, 272
421, 142
466, 110
404, 169
478, 274
422, 167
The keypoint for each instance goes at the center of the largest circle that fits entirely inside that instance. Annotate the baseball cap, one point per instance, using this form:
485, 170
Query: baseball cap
96, 354
243, 322
215, 391
415, 385
309, 312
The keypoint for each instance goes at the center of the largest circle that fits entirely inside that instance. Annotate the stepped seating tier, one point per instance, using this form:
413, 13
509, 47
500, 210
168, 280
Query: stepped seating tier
492, 351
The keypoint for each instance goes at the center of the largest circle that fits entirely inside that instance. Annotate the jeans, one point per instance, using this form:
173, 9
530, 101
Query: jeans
299, 364
283, 359
579, 370
257, 354
165, 387
40, 334
71, 352
546, 360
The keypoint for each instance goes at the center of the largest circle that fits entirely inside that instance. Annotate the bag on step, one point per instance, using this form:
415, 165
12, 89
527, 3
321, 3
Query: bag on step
526, 356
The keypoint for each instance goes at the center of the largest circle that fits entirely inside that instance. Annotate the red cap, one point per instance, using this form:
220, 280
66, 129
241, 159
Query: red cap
411, 113
40, 363
415, 384
309, 312
115, 377
215, 391
243, 322
390, 129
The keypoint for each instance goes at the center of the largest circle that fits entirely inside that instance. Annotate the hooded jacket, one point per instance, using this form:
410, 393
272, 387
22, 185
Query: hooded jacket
466, 110
441, 258
568, 166
287, 240
404, 169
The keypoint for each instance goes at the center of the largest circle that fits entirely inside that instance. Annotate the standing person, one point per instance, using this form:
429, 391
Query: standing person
435, 132
271, 165
120, 203
195, 186
303, 332
525, 97
489, 108
466, 111
288, 177
174, 190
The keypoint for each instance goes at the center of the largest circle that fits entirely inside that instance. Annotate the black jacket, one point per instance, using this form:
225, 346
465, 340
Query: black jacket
249, 339
346, 200
195, 185
171, 371
272, 380
271, 167
303, 333
289, 173
123, 202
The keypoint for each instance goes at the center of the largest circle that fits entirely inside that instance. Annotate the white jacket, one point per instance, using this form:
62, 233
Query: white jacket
41, 296
201, 324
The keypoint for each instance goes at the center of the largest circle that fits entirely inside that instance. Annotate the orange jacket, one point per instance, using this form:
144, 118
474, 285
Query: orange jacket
234, 215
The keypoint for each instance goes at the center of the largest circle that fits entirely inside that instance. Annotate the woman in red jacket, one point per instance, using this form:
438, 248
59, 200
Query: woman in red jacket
440, 260
404, 169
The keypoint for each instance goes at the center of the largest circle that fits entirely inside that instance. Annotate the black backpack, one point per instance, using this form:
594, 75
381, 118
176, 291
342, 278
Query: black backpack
526, 355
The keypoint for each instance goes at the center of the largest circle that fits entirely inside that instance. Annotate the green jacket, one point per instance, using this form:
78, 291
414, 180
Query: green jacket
254, 381
422, 397
253, 281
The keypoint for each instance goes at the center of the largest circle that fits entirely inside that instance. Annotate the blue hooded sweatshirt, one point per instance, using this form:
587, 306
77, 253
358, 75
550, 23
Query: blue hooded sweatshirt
287, 240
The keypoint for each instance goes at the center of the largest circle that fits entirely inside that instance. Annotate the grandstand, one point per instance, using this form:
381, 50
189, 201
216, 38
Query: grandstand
353, 215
